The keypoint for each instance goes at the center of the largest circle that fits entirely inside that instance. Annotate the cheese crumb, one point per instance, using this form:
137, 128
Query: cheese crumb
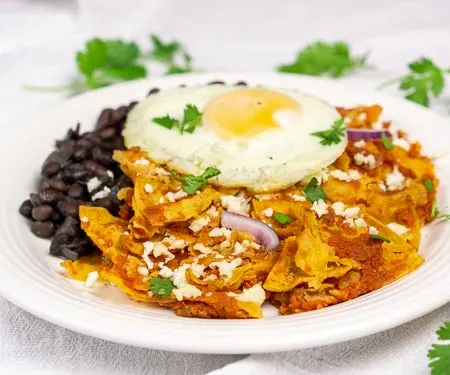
265, 197
382, 186
360, 144
84, 219
161, 200
395, 180
320, 207
218, 232
401, 142
110, 174
141, 161
369, 160
161, 249
148, 188
373, 230
351, 175
238, 248
184, 290
360, 223
91, 279
102, 193
254, 294
236, 204
202, 248
142, 271
210, 277
175, 243
225, 245
351, 213
226, 268
197, 269
161, 171
268, 212
212, 211
338, 208
173, 197
148, 248
297, 197
398, 229
165, 271
93, 184
126, 233
198, 224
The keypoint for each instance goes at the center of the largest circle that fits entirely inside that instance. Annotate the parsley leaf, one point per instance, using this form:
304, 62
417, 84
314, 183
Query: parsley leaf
161, 287
440, 354
282, 218
168, 54
313, 192
387, 143
192, 118
321, 58
428, 184
166, 121
378, 237
190, 183
333, 135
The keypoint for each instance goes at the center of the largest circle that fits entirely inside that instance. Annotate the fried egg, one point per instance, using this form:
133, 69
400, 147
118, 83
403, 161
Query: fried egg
259, 138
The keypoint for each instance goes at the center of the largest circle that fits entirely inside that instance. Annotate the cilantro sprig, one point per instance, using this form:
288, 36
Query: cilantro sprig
321, 58
190, 183
439, 354
332, 135
424, 80
313, 192
387, 143
428, 184
161, 287
282, 218
192, 118
172, 55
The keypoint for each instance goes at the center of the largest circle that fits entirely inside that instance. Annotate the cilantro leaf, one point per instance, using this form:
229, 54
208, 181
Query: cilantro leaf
173, 55
282, 218
313, 192
121, 54
428, 184
161, 287
321, 58
378, 237
440, 354
333, 135
387, 143
166, 121
425, 79
192, 118
92, 58
434, 209
190, 183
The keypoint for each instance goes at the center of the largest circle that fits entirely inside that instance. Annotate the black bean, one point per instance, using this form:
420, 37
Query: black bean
43, 229
75, 191
25, 208
41, 213
84, 143
56, 217
50, 169
67, 208
131, 105
58, 185
80, 154
107, 133
119, 115
241, 83
102, 157
216, 83
152, 91
35, 199
72, 254
94, 167
93, 138
67, 147
107, 203
44, 184
50, 195
56, 157
69, 227
104, 119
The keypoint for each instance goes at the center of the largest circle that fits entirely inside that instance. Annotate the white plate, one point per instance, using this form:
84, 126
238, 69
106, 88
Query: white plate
32, 279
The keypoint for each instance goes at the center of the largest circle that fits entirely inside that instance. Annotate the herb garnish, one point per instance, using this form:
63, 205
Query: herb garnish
333, 135
192, 118
190, 183
434, 209
428, 184
378, 237
161, 287
282, 218
387, 143
166, 121
321, 58
440, 354
169, 53
313, 192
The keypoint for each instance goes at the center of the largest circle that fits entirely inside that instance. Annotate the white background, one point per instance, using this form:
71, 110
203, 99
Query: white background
37, 43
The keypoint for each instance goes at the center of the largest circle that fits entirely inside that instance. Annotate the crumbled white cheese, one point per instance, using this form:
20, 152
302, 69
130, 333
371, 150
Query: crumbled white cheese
297, 197
360, 144
210, 277
265, 197
173, 197
322, 176
254, 294
91, 279
148, 188
161, 249
238, 248
226, 268
148, 248
236, 204
361, 159
198, 224
184, 290
175, 243
126, 233
197, 269
219, 256
93, 184
268, 212
165, 271
398, 228
382, 186
161, 171
338, 208
320, 207
84, 219
202, 248
351, 175
143, 271
110, 174
141, 161
218, 232
362, 116
373, 230
161, 200
351, 212
360, 223
402, 143
225, 244
395, 180
102, 193
212, 211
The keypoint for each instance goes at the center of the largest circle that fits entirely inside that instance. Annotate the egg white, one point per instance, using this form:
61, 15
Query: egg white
273, 160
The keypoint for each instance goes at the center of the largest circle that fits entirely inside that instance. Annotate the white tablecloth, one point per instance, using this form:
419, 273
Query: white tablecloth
37, 43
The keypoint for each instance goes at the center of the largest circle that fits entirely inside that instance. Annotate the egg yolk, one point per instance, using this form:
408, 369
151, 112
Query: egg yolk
245, 112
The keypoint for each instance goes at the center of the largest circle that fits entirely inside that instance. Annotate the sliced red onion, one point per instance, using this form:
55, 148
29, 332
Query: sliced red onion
264, 234
355, 134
